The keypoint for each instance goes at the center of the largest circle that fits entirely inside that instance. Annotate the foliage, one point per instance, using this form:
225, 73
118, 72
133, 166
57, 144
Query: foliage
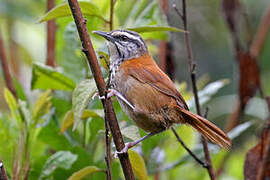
36, 136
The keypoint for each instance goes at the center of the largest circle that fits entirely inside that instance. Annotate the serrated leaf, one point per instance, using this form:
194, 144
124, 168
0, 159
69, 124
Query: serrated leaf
80, 98
144, 29
45, 77
63, 10
84, 172
131, 132
61, 159
69, 118
138, 165
12, 104
42, 106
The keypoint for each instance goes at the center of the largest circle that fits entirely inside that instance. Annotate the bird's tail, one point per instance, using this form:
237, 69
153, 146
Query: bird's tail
206, 128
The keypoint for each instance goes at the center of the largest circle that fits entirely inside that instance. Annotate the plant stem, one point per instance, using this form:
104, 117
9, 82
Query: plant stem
51, 29
187, 149
96, 71
5, 67
108, 157
194, 86
111, 14
262, 169
260, 36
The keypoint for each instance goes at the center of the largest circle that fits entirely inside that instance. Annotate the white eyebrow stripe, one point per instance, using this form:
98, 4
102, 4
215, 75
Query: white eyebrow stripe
131, 36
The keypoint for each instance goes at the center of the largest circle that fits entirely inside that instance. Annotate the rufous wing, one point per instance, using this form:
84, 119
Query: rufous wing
145, 70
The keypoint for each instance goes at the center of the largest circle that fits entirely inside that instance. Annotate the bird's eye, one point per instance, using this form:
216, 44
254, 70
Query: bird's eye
124, 38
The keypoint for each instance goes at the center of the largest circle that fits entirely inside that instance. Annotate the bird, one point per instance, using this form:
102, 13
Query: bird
146, 94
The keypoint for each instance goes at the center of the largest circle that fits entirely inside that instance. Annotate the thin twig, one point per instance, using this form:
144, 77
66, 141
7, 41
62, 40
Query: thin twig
108, 157
96, 71
111, 14
207, 156
51, 29
5, 67
187, 149
194, 87
260, 36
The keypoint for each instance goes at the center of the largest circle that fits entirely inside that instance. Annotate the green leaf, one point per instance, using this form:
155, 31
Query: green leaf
42, 106
80, 98
84, 172
69, 118
61, 159
131, 132
24, 111
63, 10
12, 104
19, 90
45, 77
138, 165
144, 29
49, 135
208, 91
235, 132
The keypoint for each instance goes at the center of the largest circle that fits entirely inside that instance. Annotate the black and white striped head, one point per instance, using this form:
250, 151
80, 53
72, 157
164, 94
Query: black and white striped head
124, 44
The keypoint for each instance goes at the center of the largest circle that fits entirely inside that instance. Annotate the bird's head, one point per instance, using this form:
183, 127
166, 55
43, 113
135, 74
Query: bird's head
124, 44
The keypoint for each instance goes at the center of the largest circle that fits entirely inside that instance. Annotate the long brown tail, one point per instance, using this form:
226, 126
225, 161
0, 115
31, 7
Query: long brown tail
206, 128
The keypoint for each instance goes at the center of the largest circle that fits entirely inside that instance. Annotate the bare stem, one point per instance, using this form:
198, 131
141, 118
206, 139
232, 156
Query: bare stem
107, 104
5, 67
266, 149
183, 16
51, 29
187, 149
111, 14
108, 157
261, 34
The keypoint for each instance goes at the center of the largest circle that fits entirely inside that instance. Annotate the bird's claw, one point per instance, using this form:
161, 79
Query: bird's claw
124, 150
111, 92
97, 95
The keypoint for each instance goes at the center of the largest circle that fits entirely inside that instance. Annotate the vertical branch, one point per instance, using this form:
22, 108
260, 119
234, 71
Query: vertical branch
107, 104
108, 157
261, 34
112, 2
51, 29
262, 169
5, 67
162, 45
192, 66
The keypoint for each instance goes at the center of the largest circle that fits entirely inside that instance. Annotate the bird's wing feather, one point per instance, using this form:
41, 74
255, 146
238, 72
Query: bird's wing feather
147, 71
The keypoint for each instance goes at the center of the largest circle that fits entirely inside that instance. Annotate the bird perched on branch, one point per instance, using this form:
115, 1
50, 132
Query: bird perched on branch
146, 94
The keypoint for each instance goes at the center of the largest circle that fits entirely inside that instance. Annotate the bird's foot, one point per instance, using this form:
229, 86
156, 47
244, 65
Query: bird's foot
125, 149
111, 92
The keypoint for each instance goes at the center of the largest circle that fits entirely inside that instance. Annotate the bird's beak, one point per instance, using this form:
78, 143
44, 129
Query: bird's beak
106, 35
